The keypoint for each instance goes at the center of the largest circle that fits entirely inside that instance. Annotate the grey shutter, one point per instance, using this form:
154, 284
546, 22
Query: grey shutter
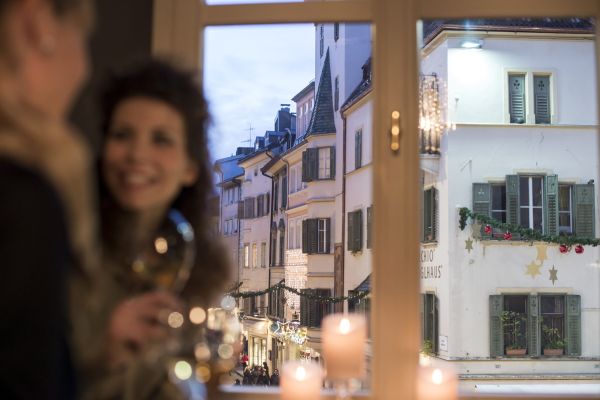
512, 199
332, 162
313, 313
305, 236
369, 222
267, 203
516, 99
584, 210
259, 205
275, 194
434, 213
551, 208
284, 191
313, 235
313, 163
327, 235
240, 209
482, 199
306, 177
351, 231
496, 333
533, 326
358, 230
541, 90
573, 325
358, 149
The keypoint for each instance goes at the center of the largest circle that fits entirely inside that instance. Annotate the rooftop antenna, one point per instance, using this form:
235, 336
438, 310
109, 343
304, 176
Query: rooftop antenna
249, 141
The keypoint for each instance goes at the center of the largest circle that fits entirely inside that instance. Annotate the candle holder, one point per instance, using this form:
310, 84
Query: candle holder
301, 380
437, 381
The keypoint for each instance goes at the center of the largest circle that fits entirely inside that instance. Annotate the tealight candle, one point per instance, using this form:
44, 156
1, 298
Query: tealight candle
301, 381
437, 383
344, 341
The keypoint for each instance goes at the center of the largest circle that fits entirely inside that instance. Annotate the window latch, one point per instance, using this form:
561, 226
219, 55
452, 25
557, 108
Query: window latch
395, 132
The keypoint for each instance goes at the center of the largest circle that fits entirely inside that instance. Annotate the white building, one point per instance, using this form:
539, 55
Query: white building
524, 151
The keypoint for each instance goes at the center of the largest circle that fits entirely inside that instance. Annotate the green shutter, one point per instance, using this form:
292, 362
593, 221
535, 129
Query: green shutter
358, 224
427, 217
423, 315
313, 162
305, 236
573, 325
434, 213
436, 323
313, 235
533, 326
304, 309
541, 90
332, 163
516, 99
369, 222
512, 199
306, 177
351, 231
357, 149
584, 210
313, 312
496, 336
327, 235
482, 198
551, 209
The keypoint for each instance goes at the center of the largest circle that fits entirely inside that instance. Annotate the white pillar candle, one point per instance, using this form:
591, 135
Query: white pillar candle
344, 341
301, 381
437, 383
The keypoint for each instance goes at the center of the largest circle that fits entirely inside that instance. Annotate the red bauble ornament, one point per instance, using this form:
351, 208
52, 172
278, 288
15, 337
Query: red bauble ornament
563, 248
487, 229
579, 249
507, 236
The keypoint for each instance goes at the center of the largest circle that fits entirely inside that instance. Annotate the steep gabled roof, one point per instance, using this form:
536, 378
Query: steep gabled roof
307, 89
321, 120
540, 25
229, 167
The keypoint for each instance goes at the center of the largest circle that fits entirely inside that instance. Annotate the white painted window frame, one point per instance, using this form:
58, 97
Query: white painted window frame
178, 31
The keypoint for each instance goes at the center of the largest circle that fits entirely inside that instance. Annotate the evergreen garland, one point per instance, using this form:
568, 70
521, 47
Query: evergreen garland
235, 293
525, 234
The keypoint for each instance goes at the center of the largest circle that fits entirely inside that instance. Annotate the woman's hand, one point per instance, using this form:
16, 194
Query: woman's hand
137, 322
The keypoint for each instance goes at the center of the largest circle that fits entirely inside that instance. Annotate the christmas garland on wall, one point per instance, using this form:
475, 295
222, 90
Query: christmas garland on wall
235, 293
525, 234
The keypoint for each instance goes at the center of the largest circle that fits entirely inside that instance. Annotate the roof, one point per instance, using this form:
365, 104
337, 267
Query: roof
365, 285
539, 25
229, 167
309, 88
362, 89
321, 120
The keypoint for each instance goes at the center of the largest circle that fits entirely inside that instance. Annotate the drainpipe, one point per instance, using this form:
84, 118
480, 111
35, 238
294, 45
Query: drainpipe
341, 305
270, 217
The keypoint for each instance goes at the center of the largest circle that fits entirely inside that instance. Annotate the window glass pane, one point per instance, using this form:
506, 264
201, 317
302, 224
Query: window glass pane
524, 195
564, 198
537, 190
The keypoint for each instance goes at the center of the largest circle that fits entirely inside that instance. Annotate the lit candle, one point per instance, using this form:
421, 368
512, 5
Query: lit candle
437, 383
344, 340
301, 381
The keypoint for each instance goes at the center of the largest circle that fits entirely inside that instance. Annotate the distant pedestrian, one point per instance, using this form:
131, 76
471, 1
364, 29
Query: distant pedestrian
275, 378
266, 368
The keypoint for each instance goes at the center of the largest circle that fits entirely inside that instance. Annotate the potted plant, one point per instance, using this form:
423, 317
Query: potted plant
554, 343
427, 349
512, 322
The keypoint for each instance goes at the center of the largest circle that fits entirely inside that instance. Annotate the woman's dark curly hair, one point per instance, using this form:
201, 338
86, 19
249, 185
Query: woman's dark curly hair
161, 81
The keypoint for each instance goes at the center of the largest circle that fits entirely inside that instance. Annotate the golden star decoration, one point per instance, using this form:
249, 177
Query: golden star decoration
469, 245
533, 269
541, 252
553, 274
476, 227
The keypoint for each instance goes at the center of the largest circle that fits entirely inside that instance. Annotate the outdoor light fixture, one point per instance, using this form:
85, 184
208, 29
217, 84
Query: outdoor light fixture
471, 43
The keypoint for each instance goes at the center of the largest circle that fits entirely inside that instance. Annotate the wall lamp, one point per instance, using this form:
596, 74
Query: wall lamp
471, 43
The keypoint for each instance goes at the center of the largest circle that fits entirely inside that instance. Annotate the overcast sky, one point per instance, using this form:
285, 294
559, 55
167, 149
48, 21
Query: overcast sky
248, 72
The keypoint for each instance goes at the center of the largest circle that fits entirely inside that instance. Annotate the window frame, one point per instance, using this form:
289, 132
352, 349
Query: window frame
326, 165
530, 206
571, 231
394, 49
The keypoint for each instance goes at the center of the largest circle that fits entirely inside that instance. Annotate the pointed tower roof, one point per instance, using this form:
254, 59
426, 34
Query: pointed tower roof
321, 120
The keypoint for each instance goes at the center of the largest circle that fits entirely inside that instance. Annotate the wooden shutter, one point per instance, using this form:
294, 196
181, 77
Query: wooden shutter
240, 209
533, 326
327, 235
551, 205
305, 236
313, 310
512, 199
573, 325
358, 149
357, 245
313, 235
369, 222
434, 213
306, 177
313, 163
496, 333
284, 191
351, 231
482, 200
516, 98
304, 309
541, 90
423, 323
584, 210
332, 162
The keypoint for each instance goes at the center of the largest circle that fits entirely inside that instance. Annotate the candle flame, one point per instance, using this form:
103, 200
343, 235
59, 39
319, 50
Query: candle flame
437, 377
344, 326
300, 373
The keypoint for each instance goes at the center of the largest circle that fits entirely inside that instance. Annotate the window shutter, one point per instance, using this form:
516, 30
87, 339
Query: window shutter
573, 325
584, 210
436, 323
512, 199
313, 163
305, 236
551, 209
358, 149
259, 205
240, 209
332, 163
423, 315
541, 89
533, 326
434, 213
358, 230
327, 235
351, 231
306, 176
304, 309
496, 334
516, 99
369, 219
313, 235
267, 203
482, 198
313, 312
284, 191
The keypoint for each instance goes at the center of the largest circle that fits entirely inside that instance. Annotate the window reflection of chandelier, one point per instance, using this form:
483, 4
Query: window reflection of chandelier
433, 118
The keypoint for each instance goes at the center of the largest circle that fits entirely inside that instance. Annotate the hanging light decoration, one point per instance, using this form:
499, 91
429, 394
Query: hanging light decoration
433, 115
